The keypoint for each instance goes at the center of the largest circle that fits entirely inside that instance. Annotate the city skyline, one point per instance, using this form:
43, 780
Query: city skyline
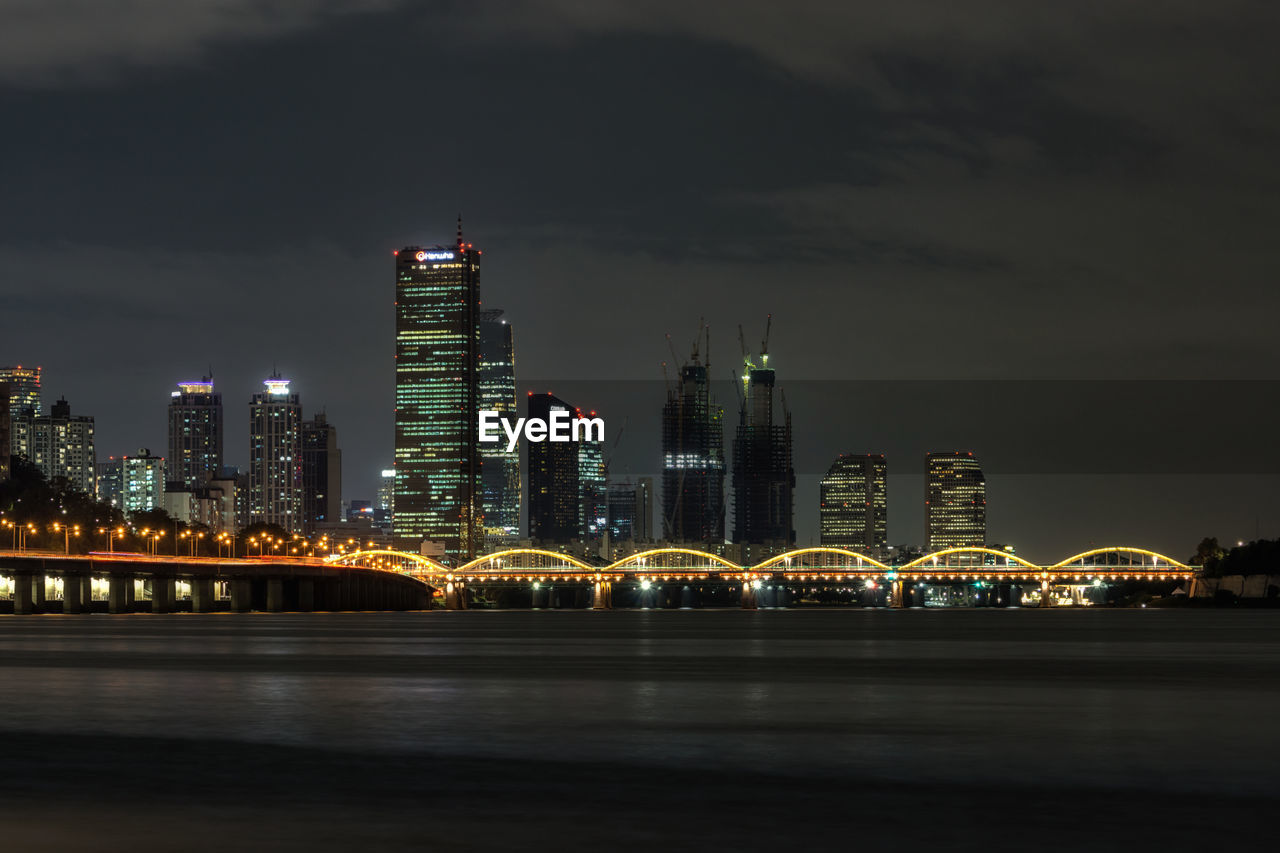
998, 211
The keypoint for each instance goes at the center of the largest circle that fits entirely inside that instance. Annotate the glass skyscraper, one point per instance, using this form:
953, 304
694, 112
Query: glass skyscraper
853, 505
555, 474
437, 458
955, 505
500, 468
195, 434
275, 453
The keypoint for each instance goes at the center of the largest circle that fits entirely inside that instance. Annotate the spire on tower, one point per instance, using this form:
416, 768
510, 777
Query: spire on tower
459, 230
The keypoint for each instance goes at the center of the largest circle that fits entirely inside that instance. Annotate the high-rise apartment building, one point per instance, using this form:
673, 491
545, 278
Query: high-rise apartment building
438, 494
500, 468
275, 454
955, 506
853, 504
321, 473
763, 478
24, 390
693, 505
142, 481
59, 444
195, 433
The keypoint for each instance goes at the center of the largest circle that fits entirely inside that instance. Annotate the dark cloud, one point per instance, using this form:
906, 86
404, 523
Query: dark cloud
915, 191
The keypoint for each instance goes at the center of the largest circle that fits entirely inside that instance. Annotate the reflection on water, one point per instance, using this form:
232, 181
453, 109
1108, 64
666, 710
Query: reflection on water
1153, 701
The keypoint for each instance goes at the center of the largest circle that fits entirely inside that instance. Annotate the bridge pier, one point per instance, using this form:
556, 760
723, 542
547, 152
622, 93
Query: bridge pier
455, 596
161, 594
86, 594
602, 595
749, 596
22, 602
895, 594
241, 595
306, 595
39, 591
118, 589
72, 589
275, 595
1045, 601
202, 595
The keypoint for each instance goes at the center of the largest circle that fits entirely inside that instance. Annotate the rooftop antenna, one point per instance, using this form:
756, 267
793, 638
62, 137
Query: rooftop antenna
459, 230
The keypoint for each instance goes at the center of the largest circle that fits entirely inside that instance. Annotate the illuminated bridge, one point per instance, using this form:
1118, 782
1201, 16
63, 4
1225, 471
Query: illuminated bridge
122, 583
685, 577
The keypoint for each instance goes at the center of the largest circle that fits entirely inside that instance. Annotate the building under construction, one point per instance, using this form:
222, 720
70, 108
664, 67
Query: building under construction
693, 454
763, 477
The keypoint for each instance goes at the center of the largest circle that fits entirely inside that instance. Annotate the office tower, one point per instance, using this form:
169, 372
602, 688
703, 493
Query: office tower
555, 473
24, 390
141, 481
763, 478
955, 506
631, 511
195, 433
321, 473
387, 492
500, 468
593, 494
853, 508
4, 430
275, 453
60, 445
437, 460
693, 458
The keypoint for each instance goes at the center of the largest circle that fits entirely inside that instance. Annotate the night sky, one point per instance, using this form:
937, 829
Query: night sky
938, 203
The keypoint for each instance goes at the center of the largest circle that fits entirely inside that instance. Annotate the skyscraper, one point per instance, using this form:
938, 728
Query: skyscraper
437, 457
195, 433
955, 505
555, 472
593, 493
500, 468
631, 511
853, 508
59, 444
24, 389
387, 492
275, 453
763, 478
321, 473
4, 430
693, 458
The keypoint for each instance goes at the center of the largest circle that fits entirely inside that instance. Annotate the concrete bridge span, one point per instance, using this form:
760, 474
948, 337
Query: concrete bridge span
34, 582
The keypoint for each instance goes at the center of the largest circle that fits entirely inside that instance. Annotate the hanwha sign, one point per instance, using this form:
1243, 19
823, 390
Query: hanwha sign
433, 256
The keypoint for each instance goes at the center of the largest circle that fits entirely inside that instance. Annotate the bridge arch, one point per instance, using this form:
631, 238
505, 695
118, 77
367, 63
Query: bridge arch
791, 556
648, 561
519, 560
929, 560
1146, 560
